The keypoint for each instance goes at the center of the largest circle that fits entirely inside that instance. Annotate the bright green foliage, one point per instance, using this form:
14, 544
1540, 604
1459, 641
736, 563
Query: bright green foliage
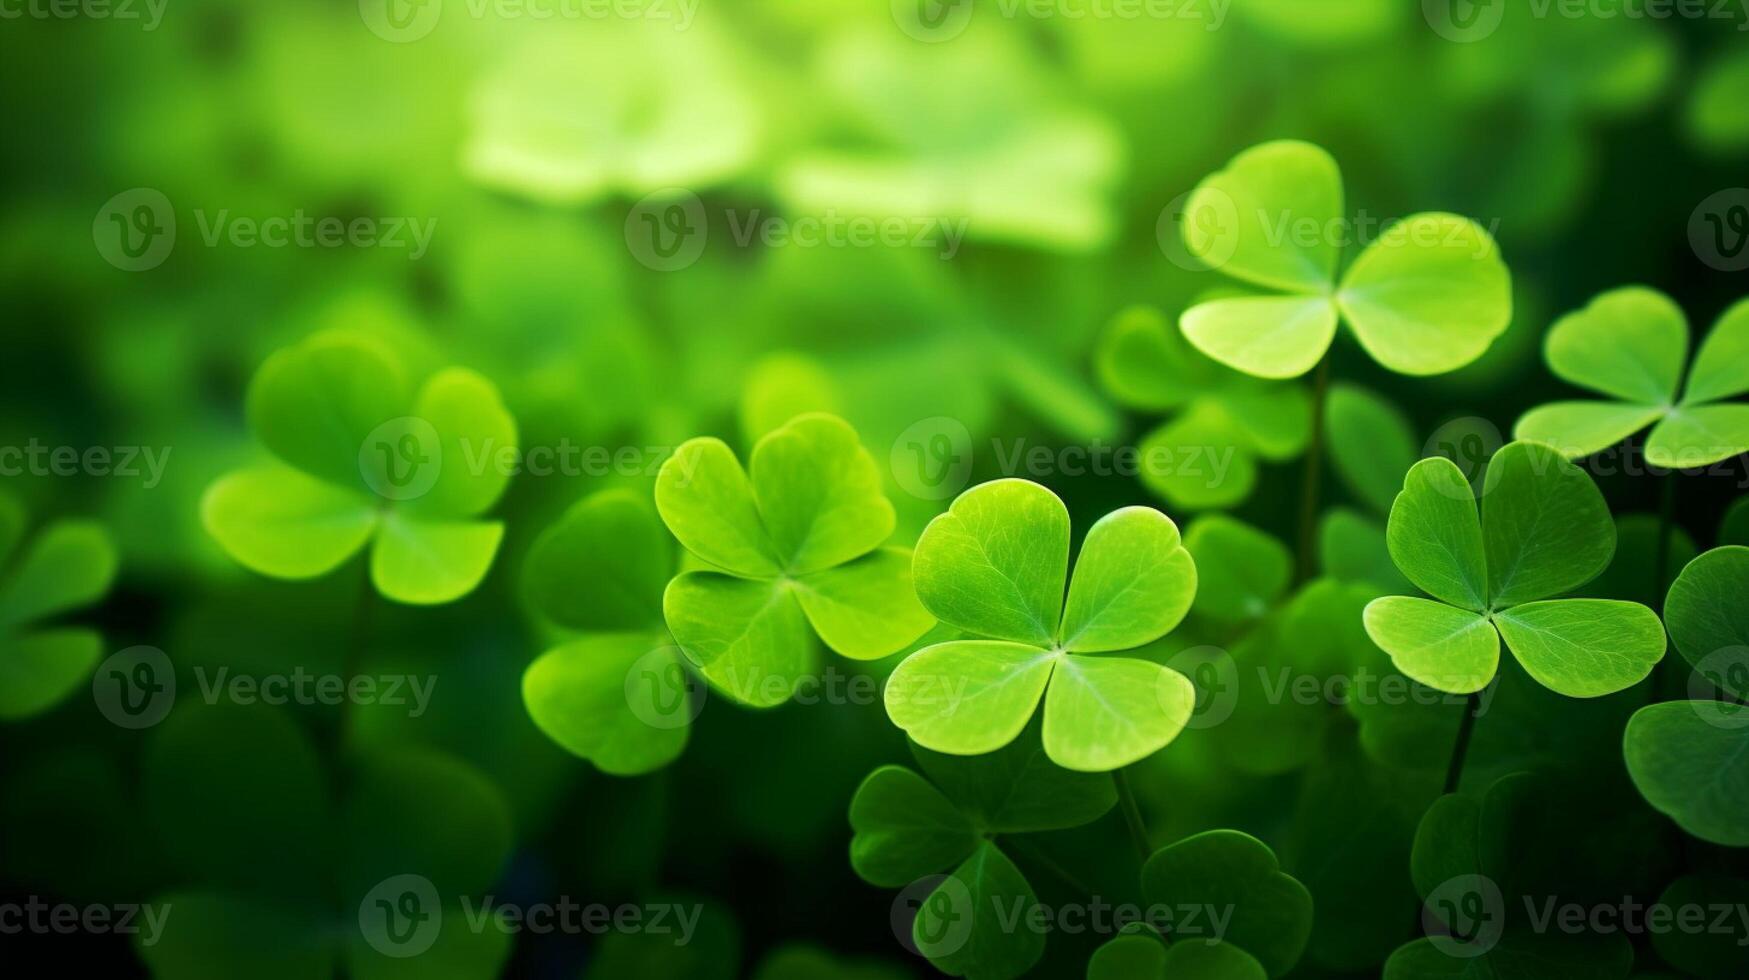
796, 543
410, 811
617, 695
363, 458
1631, 345
1427, 297
995, 565
1148, 367
1241, 571
779, 388
67, 566
1230, 872
1543, 530
1140, 955
908, 827
1708, 615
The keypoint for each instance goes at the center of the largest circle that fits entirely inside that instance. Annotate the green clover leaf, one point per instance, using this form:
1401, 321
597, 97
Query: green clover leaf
69, 565
1372, 444
219, 780
1631, 344
1544, 530
617, 694
1141, 955
796, 541
907, 827
364, 460
994, 565
1236, 874
1428, 297
1147, 366
1241, 571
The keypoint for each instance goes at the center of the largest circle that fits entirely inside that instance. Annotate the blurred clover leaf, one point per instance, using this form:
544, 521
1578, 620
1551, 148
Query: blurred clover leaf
68, 566
280, 879
908, 827
1372, 445
1241, 571
1631, 344
617, 694
795, 544
1734, 529
1141, 955
1718, 953
1690, 759
1324, 25
1268, 914
1716, 115
1147, 366
667, 109
994, 566
1544, 530
364, 460
1427, 297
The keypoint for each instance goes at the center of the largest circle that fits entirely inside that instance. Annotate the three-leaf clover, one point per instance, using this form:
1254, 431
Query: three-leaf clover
363, 459
618, 693
416, 833
1242, 896
1690, 759
1147, 366
908, 827
1631, 344
796, 543
1427, 297
1544, 530
994, 566
70, 565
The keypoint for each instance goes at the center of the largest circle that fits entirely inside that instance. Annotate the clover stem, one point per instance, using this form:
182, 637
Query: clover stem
1454, 772
1660, 565
1132, 814
1313, 472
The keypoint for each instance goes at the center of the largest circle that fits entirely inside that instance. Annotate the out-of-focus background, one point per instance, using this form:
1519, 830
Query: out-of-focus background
646, 219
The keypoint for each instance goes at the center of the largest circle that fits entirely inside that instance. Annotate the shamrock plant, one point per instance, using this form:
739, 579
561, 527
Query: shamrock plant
1690, 759
794, 545
1218, 412
1429, 296
909, 827
1631, 344
617, 693
1259, 908
994, 566
69, 565
1543, 530
364, 458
